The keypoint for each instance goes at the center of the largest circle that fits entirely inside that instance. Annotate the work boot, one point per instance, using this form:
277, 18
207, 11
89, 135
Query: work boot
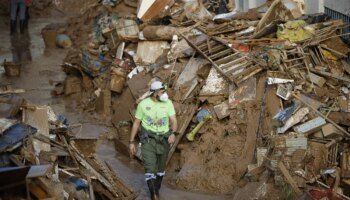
13, 26
27, 18
152, 189
159, 180
26, 24
22, 25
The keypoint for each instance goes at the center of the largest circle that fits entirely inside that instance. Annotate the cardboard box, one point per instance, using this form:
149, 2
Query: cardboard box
329, 130
72, 85
127, 29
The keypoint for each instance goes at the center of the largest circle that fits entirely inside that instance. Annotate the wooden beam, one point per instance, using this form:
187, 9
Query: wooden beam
289, 179
102, 179
330, 75
191, 111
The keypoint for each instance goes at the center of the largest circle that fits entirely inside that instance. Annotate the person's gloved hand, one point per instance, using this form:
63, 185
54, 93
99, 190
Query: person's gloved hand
132, 149
171, 138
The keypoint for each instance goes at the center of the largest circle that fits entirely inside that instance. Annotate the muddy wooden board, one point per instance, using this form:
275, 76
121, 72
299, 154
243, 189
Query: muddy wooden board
138, 85
122, 105
156, 8
188, 78
190, 71
149, 51
245, 92
222, 110
184, 114
39, 119
214, 85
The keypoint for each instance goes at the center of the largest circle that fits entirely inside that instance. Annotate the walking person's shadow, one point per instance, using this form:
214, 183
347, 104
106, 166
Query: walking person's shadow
20, 48
20, 42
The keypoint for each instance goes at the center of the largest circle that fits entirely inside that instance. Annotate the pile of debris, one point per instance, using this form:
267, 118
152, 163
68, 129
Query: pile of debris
42, 158
268, 86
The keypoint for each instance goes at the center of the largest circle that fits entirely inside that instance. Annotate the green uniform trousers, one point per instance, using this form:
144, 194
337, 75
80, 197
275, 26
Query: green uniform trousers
155, 151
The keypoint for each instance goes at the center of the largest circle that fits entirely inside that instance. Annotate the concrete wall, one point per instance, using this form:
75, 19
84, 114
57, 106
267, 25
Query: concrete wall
342, 6
314, 6
244, 5
311, 6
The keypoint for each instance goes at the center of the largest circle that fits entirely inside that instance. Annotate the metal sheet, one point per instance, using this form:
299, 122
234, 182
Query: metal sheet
14, 135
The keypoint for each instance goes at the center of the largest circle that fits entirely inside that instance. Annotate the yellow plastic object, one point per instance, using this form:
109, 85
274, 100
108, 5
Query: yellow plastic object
294, 31
190, 135
328, 55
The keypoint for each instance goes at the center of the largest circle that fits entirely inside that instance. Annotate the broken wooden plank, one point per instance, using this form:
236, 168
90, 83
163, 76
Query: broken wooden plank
14, 91
246, 77
289, 179
188, 112
329, 130
227, 59
232, 62
279, 10
333, 51
39, 119
105, 171
215, 49
220, 54
204, 45
91, 189
245, 92
314, 103
149, 9
330, 75
36, 190
222, 110
68, 148
101, 190
99, 176
318, 80
121, 185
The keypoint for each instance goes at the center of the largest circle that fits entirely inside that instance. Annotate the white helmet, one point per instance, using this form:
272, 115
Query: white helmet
156, 85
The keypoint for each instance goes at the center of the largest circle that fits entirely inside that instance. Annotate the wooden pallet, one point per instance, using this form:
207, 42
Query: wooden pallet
230, 63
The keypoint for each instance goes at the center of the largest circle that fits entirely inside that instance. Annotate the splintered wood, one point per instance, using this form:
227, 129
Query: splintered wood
103, 174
